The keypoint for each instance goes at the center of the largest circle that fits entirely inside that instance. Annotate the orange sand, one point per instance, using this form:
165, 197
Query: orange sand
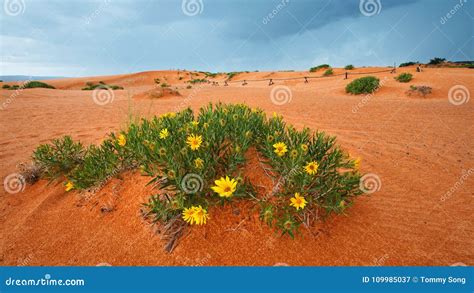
418, 147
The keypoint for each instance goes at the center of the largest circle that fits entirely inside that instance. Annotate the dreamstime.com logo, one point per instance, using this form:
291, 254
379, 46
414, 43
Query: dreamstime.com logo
370, 183
103, 95
370, 7
459, 95
14, 183
46, 281
192, 7
281, 95
14, 7
192, 183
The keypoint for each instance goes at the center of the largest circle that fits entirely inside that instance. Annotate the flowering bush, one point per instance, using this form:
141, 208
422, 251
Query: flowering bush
196, 161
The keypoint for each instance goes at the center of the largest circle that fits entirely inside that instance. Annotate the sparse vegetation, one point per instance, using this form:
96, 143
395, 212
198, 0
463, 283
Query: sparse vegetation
408, 64
363, 85
436, 61
6, 86
328, 72
189, 86
316, 68
90, 86
230, 75
37, 84
420, 90
197, 162
404, 77
165, 85
157, 80
198, 80
349, 67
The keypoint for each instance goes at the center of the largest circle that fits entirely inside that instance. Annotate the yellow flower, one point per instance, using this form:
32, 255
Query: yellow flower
194, 141
237, 149
293, 153
195, 123
188, 215
342, 204
225, 187
162, 151
298, 201
164, 133
205, 125
357, 163
311, 168
69, 186
171, 174
248, 133
304, 147
200, 215
198, 163
280, 148
270, 138
171, 114
122, 140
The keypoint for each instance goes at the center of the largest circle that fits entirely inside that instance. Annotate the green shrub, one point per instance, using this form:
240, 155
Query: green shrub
349, 67
58, 158
189, 86
316, 68
230, 75
198, 80
90, 86
5, 86
421, 90
436, 61
363, 85
404, 77
328, 72
185, 154
165, 85
408, 64
37, 84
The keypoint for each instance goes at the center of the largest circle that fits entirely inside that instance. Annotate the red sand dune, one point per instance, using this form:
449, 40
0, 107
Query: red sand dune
418, 147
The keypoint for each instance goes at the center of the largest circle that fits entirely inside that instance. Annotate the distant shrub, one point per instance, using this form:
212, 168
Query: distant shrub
436, 61
408, 64
349, 67
189, 86
328, 72
37, 84
90, 86
58, 158
180, 78
165, 85
230, 75
198, 80
404, 77
5, 86
363, 85
422, 90
316, 68
15, 87
157, 80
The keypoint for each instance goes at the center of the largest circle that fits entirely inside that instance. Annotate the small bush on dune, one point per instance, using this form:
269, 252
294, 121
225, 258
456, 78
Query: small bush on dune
165, 84
328, 72
404, 77
198, 80
421, 90
37, 84
363, 85
58, 158
316, 68
436, 61
5, 86
90, 86
196, 161
349, 67
408, 64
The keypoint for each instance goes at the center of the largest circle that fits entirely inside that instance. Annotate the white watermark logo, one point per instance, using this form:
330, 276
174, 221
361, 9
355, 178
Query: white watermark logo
192, 183
370, 7
192, 7
281, 95
14, 7
458, 95
370, 183
14, 183
103, 95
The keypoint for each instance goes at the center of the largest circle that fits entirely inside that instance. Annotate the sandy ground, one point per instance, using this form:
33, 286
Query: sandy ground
419, 148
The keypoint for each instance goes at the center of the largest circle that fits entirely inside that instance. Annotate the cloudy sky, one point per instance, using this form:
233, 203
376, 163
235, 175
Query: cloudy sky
85, 37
